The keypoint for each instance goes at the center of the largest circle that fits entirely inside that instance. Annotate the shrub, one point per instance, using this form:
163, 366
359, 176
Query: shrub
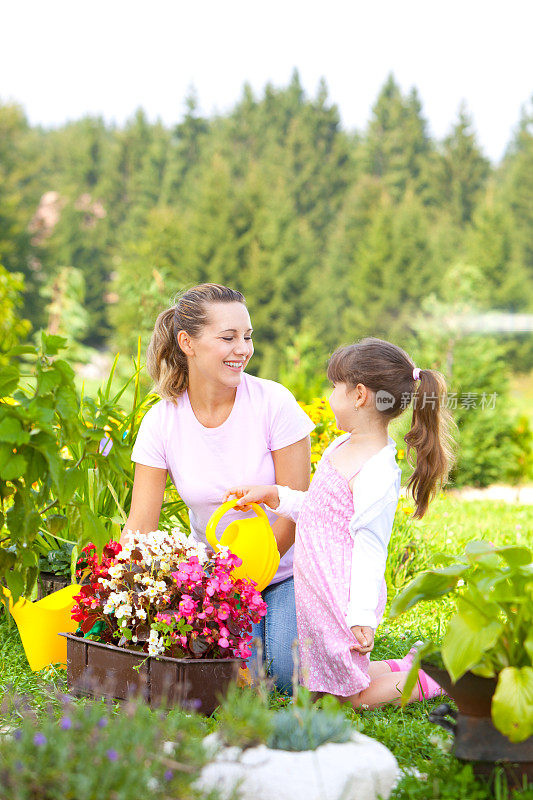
88, 752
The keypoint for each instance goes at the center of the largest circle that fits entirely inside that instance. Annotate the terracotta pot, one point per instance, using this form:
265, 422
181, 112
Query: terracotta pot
475, 737
104, 670
49, 582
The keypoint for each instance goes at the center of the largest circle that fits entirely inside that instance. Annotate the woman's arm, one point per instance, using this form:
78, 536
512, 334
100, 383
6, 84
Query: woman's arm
292, 465
146, 501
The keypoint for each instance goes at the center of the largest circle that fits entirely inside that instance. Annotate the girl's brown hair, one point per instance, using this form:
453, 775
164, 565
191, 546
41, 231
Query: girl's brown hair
387, 371
165, 360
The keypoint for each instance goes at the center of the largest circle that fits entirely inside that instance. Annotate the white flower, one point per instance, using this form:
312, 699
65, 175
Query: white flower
140, 613
160, 586
123, 611
152, 784
116, 570
168, 748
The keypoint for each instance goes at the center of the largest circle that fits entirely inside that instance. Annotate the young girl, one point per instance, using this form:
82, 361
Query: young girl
344, 521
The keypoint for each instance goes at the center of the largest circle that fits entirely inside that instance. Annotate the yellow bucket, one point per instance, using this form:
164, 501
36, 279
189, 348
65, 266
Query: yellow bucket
40, 622
252, 540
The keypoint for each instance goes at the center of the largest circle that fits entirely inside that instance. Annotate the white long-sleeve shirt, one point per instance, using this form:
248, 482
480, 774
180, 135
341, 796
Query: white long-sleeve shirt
376, 489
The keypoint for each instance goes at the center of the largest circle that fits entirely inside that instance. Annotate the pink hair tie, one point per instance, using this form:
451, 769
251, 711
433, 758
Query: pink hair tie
416, 374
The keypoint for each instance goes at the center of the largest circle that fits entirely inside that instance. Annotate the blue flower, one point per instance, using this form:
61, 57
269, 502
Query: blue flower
39, 739
168, 775
65, 724
112, 755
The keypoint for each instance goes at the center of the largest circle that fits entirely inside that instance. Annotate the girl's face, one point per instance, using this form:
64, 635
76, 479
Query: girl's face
224, 347
342, 402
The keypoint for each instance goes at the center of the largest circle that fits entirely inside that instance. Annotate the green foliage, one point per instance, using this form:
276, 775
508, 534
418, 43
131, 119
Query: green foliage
244, 719
88, 752
12, 327
65, 461
306, 726
491, 632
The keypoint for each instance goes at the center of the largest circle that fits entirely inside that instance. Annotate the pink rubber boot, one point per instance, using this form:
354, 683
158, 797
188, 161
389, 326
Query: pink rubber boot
404, 664
427, 687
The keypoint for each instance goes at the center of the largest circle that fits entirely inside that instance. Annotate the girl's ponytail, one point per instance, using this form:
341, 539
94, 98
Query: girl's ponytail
430, 436
165, 360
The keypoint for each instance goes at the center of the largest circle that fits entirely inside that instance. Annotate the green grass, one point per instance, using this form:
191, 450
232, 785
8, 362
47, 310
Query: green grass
422, 749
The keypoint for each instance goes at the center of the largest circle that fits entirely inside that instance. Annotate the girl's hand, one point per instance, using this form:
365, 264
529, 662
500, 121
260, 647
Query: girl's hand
254, 494
365, 639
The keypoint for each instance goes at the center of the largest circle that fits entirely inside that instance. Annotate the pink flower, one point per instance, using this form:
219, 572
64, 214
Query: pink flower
187, 605
223, 642
223, 611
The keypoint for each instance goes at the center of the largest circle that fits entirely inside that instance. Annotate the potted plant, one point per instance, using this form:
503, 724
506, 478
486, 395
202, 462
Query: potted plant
162, 615
305, 751
487, 650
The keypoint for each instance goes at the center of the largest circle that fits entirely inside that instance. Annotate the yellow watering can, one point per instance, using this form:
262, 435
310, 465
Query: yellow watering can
252, 540
40, 622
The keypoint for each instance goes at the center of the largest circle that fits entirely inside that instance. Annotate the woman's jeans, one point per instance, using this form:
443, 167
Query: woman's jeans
277, 632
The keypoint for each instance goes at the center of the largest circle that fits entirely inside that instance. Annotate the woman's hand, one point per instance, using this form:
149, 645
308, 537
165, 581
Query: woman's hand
364, 639
254, 494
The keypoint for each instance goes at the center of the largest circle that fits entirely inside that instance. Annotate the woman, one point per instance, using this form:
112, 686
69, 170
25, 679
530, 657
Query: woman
216, 427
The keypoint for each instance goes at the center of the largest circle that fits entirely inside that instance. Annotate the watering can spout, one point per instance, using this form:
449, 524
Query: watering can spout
252, 540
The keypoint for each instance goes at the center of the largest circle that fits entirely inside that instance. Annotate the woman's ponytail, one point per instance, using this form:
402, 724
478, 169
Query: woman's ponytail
431, 438
165, 360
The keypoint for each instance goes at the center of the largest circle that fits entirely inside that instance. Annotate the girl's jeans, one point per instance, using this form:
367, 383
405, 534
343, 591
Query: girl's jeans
277, 632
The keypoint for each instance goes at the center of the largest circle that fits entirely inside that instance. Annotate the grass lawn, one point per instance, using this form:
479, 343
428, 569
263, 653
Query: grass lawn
420, 747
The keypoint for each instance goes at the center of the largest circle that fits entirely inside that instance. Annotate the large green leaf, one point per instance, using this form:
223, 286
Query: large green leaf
512, 703
12, 431
92, 529
483, 553
51, 343
428, 585
9, 378
516, 556
13, 467
468, 637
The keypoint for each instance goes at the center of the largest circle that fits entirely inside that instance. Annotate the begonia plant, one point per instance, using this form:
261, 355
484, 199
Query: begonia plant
165, 594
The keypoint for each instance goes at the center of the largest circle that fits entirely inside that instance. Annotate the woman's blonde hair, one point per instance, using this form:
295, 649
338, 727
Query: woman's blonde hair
385, 367
165, 360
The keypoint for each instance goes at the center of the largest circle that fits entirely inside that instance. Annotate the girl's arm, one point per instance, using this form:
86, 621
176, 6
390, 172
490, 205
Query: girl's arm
146, 500
292, 466
369, 557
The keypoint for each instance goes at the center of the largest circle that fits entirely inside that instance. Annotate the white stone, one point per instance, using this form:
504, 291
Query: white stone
361, 769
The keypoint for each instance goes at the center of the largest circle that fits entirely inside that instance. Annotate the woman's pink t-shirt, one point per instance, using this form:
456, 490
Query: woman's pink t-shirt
204, 462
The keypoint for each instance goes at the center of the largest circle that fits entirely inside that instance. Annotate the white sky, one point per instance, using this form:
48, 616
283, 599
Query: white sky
61, 59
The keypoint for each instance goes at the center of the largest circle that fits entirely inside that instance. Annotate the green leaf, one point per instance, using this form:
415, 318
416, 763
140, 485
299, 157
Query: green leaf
512, 703
428, 585
21, 350
12, 431
468, 637
93, 529
51, 343
9, 378
516, 556
13, 467
15, 584
483, 553
528, 644
55, 523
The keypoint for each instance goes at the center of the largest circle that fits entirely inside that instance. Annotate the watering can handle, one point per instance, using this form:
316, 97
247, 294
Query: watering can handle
210, 531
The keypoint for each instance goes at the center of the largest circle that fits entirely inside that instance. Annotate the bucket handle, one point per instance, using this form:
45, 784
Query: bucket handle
210, 531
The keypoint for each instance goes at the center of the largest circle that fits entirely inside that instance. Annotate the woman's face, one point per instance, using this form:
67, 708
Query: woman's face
224, 347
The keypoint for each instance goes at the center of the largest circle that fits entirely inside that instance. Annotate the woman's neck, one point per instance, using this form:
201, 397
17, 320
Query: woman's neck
210, 400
